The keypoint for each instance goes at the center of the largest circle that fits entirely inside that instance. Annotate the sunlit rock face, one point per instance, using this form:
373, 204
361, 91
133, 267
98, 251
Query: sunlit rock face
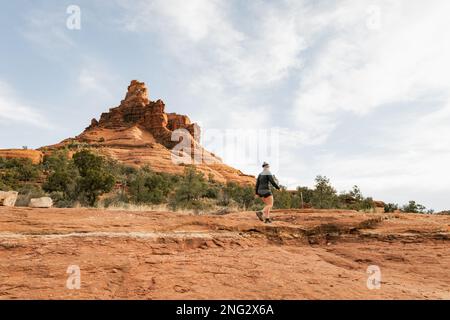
140, 133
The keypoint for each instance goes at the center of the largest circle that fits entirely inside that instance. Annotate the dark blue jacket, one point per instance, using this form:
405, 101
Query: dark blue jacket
263, 182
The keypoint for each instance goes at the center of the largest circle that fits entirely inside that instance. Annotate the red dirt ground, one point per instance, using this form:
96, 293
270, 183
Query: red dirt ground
304, 254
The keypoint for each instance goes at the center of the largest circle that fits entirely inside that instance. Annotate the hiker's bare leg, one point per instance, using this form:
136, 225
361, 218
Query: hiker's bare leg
269, 204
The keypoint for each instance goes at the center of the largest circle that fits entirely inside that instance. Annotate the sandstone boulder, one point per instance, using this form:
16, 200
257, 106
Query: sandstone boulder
8, 198
44, 202
379, 204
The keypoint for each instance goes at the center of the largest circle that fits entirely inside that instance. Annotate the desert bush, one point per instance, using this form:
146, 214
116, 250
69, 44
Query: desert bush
324, 196
56, 160
62, 180
213, 190
195, 205
3, 186
296, 201
62, 177
413, 207
283, 199
366, 204
16, 172
94, 177
232, 192
28, 192
246, 197
356, 194
116, 199
304, 193
26, 170
192, 186
190, 191
8, 180
390, 207
60, 200
146, 186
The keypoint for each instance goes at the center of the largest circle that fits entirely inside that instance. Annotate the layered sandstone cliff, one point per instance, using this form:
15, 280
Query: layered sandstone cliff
139, 132
34, 155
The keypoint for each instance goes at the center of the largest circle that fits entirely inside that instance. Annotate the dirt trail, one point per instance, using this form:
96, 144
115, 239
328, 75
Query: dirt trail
304, 254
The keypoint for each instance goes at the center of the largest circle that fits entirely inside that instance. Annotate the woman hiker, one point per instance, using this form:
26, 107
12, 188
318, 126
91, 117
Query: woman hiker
265, 178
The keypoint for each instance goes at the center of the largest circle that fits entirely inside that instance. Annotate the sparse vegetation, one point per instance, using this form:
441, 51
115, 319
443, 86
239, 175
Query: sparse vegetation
413, 207
92, 180
146, 186
61, 182
324, 196
27, 192
390, 207
16, 172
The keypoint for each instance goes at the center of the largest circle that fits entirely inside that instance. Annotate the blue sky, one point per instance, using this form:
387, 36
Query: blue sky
356, 90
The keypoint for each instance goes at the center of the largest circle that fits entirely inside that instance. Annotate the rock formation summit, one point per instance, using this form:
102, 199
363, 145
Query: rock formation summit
137, 110
139, 132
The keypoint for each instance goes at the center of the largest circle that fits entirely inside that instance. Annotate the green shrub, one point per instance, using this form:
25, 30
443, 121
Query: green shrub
9, 180
366, 204
94, 178
146, 186
60, 200
192, 187
16, 172
390, 207
244, 196
57, 160
306, 194
324, 196
28, 192
62, 178
189, 191
117, 199
296, 202
413, 207
197, 205
283, 199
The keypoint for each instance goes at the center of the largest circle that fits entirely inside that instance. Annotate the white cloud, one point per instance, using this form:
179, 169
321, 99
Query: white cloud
226, 63
202, 34
47, 30
336, 60
13, 109
93, 79
359, 69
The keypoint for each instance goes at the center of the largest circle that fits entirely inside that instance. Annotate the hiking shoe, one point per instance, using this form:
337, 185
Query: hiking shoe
267, 220
259, 214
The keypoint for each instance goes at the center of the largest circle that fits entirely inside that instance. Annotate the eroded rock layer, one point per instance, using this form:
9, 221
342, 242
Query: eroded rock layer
34, 155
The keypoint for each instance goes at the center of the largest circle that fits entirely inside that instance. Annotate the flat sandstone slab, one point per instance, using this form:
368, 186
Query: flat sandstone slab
304, 254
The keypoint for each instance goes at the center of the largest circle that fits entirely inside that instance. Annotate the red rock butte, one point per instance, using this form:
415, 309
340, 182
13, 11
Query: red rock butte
138, 132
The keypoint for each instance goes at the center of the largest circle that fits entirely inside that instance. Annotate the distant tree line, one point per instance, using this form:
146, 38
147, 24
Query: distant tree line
88, 179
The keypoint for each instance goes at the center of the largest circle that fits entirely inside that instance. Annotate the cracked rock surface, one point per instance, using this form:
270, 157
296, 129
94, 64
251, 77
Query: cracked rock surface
304, 254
